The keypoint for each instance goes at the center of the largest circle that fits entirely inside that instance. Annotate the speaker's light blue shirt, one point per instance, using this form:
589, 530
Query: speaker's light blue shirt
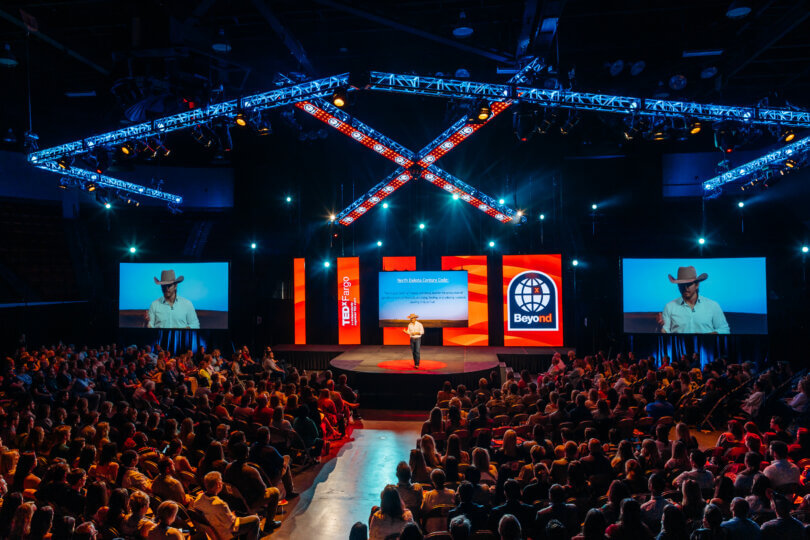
181, 314
706, 317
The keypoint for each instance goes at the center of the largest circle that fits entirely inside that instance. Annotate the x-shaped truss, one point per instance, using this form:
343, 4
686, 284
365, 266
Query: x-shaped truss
420, 164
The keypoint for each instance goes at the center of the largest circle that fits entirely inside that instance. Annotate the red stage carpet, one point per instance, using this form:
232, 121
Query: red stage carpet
406, 365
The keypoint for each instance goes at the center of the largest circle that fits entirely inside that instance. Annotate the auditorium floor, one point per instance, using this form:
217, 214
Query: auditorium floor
342, 490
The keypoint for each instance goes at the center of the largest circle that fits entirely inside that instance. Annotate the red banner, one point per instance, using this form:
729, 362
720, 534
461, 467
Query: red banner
395, 336
532, 300
477, 331
348, 293
299, 301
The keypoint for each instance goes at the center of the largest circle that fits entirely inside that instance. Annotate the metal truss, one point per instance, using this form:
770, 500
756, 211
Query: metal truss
566, 99
104, 181
46, 159
791, 151
425, 159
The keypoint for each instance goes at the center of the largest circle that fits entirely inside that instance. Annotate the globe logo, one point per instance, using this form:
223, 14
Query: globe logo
532, 302
532, 295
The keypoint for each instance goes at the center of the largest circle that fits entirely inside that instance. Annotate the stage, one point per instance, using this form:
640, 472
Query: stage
386, 377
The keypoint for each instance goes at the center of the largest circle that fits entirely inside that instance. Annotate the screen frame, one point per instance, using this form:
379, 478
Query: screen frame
173, 261
621, 295
427, 323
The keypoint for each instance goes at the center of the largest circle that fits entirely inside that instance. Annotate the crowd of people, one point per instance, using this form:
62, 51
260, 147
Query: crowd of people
136, 443
599, 448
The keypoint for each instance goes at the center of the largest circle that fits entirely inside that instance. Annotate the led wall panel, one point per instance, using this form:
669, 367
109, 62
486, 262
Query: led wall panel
299, 301
532, 300
477, 331
395, 336
348, 294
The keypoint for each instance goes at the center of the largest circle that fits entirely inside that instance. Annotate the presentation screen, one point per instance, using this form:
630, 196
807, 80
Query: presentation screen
438, 298
173, 295
695, 296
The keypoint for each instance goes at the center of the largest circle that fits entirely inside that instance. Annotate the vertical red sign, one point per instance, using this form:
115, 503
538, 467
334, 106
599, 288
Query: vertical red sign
348, 294
532, 300
300, 301
395, 336
477, 331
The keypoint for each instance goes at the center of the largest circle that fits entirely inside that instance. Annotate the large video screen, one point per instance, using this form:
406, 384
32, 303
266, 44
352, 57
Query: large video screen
438, 298
695, 296
173, 295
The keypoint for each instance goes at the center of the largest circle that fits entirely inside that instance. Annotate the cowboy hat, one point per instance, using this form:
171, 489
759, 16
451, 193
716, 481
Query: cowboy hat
687, 274
413, 316
167, 278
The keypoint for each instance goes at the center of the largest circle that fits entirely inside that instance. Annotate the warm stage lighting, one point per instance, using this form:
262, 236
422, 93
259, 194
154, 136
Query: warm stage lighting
789, 136
519, 213
701, 241
90, 186
339, 98
241, 119
132, 249
332, 217
694, 128
483, 111
253, 245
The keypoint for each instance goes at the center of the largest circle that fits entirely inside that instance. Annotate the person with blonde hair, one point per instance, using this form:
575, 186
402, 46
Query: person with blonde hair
21, 524
166, 514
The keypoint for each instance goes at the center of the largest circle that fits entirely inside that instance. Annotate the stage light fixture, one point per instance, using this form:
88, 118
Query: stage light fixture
421, 226
64, 163
133, 249
788, 135
326, 264
7, 58
200, 136
241, 119
253, 245
288, 199
127, 149
462, 29
90, 187
791, 164
542, 217
701, 241
385, 205
738, 9
340, 98
519, 215
740, 204
523, 122
694, 127
491, 243
379, 243
455, 196
805, 249
107, 205
332, 218
482, 111
221, 43
594, 207
575, 262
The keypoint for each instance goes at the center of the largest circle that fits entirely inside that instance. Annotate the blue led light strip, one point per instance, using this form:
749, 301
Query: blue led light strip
104, 181
434, 86
738, 173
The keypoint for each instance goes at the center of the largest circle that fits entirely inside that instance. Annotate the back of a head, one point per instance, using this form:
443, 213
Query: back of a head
555, 530
403, 472
779, 449
509, 528
359, 531
460, 528
740, 507
556, 494
411, 531
511, 489
631, 512
712, 516
658, 482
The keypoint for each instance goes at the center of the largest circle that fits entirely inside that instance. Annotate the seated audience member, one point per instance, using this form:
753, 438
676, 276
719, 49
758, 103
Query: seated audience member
704, 478
558, 510
740, 527
475, 513
781, 472
391, 516
439, 495
248, 480
220, 516
513, 505
785, 526
166, 516
410, 493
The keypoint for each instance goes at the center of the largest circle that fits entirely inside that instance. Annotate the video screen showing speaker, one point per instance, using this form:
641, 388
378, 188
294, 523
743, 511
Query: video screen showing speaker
173, 295
695, 296
439, 298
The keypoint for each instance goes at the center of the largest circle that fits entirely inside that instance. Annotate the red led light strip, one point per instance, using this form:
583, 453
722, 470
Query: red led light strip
440, 182
382, 193
468, 129
355, 134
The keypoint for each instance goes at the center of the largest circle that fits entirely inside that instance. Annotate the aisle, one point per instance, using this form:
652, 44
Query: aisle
345, 488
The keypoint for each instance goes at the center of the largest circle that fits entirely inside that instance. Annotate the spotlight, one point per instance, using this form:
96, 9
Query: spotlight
805, 249
542, 217
547, 123
738, 10
385, 205
379, 243
221, 43
253, 245
482, 112
740, 204
694, 127
64, 182
90, 187
462, 28
107, 205
332, 217
326, 264
491, 243
788, 135
289, 199
594, 207
701, 240
575, 263
519, 214
127, 149
455, 196
791, 164
339, 98
421, 226
241, 119
677, 82
133, 249
263, 127
501, 201
64, 163
523, 122
10, 137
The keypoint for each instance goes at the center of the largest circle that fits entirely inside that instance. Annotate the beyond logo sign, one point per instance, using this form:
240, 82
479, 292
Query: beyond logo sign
532, 302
